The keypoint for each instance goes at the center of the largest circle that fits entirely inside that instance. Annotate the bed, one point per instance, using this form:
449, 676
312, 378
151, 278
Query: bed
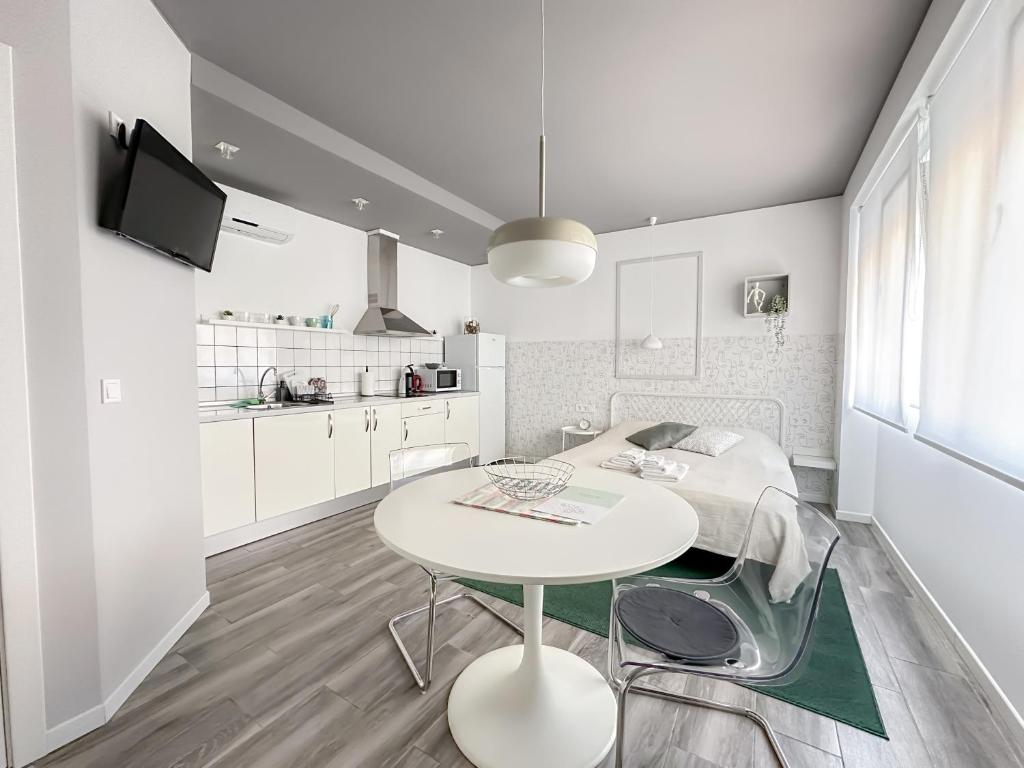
724, 489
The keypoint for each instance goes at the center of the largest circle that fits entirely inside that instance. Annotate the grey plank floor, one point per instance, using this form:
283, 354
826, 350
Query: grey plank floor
292, 666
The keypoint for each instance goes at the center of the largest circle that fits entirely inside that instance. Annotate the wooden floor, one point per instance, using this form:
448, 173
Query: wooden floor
292, 665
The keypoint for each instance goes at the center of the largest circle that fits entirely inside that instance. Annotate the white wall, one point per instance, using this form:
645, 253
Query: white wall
957, 527
18, 567
800, 239
324, 264
39, 33
561, 352
433, 291
138, 326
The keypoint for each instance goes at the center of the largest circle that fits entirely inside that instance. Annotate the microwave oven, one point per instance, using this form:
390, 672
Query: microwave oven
440, 379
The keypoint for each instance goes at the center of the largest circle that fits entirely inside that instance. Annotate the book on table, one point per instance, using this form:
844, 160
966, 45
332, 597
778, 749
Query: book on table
574, 505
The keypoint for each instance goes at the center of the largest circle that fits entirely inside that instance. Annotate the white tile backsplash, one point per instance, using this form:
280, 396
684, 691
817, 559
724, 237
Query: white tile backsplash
225, 334
246, 337
230, 360
247, 356
227, 376
224, 356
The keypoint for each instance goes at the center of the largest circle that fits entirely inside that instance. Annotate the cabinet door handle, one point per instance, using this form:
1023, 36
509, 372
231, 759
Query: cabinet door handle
330, 425
406, 428
447, 410
366, 413
374, 419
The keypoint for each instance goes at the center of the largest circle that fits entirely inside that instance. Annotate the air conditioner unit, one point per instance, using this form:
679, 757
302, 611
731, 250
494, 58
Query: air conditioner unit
255, 217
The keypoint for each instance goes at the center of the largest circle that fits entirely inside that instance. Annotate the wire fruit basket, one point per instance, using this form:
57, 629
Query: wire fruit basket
529, 479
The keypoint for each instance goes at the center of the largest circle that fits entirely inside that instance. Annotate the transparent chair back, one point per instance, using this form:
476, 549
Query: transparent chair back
773, 606
409, 464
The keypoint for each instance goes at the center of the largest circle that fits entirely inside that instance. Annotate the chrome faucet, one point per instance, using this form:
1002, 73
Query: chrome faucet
263, 398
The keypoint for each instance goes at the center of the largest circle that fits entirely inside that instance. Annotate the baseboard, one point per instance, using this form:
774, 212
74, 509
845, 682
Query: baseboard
74, 728
247, 534
1009, 719
144, 667
854, 517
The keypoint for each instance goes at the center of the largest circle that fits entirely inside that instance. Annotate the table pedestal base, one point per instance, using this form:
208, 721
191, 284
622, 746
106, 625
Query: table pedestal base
532, 706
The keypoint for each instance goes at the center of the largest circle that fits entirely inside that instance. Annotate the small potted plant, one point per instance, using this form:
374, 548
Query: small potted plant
279, 320
227, 314
775, 319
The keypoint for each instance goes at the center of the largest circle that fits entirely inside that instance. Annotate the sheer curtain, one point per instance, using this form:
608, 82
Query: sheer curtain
972, 389
886, 252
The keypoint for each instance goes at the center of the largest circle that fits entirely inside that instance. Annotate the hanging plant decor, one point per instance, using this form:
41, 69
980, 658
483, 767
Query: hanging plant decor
775, 319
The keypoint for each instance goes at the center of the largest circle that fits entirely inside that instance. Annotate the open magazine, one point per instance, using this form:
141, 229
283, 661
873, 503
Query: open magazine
573, 506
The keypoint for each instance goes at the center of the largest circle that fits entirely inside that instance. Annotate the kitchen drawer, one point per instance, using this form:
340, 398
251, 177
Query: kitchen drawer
422, 408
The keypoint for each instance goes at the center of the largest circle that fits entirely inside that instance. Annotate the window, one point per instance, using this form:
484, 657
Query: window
886, 251
939, 329
972, 374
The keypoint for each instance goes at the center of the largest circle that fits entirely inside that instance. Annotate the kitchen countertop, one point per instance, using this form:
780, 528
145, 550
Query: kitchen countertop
224, 413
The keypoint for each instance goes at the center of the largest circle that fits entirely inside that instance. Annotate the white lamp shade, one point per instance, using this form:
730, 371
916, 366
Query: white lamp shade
542, 253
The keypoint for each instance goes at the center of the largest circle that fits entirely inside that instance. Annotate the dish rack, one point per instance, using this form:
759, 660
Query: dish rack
324, 398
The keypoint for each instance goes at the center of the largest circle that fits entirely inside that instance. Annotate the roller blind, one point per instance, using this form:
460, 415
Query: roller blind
972, 378
886, 253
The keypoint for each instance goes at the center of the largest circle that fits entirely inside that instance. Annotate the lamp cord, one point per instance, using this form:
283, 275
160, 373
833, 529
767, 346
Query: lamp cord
650, 251
542, 67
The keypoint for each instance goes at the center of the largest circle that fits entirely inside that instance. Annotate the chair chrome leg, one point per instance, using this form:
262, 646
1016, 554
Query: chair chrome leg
627, 686
423, 681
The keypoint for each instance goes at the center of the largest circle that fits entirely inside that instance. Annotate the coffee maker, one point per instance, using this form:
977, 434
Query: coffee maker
412, 383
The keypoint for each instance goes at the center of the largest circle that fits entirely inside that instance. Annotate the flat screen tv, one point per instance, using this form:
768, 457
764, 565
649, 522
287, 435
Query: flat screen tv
162, 201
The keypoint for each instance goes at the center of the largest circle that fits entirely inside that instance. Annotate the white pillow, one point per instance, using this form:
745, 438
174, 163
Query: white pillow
711, 442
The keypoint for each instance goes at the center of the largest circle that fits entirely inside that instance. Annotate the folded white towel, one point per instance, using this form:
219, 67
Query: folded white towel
669, 472
625, 461
652, 461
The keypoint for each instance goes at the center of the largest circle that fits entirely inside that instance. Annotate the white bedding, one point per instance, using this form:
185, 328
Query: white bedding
723, 490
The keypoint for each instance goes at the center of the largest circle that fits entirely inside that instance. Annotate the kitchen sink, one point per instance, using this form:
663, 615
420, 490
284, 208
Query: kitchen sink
274, 406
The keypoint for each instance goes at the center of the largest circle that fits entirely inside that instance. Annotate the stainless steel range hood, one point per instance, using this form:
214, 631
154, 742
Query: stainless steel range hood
382, 316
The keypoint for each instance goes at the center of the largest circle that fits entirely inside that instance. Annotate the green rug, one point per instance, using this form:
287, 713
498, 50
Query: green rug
834, 683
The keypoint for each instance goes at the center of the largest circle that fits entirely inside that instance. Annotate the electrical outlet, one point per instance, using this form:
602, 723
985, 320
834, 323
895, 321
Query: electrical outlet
582, 408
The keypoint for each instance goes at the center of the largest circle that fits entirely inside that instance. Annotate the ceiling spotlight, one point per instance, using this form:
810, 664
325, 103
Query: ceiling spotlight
360, 203
227, 151
437, 233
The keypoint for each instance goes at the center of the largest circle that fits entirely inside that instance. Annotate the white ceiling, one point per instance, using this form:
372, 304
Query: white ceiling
675, 108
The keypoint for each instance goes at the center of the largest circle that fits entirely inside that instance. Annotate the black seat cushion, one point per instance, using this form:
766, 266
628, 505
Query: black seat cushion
679, 625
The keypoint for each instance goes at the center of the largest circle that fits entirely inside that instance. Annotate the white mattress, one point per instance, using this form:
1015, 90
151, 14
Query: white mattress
724, 490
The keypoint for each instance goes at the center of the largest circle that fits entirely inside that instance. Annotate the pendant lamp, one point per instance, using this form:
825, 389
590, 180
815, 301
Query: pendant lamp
541, 251
651, 341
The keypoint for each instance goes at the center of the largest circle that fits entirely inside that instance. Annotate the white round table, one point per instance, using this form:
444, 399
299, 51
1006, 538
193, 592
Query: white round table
533, 705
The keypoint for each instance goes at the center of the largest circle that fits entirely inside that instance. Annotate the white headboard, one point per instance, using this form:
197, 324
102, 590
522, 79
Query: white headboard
765, 414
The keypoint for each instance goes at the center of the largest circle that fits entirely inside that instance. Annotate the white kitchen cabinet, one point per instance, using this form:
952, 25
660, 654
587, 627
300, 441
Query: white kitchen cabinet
294, 462
229, 485
351, 434
385, 437
423, 430
462, 422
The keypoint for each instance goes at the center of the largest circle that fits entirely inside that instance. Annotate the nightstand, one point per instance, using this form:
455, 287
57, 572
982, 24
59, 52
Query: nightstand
574, 430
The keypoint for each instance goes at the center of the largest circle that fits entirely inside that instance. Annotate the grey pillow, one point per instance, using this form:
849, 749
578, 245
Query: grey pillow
663, 435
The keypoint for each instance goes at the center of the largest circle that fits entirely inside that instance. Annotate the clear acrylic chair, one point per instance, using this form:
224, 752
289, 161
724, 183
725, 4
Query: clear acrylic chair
408, 465
730, 627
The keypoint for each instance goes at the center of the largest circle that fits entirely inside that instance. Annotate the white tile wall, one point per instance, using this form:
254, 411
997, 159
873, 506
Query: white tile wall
230, 360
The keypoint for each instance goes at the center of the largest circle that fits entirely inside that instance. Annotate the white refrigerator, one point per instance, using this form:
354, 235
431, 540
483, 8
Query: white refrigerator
481, 358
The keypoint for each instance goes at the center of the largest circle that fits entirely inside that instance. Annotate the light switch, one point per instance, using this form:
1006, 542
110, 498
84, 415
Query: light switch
110, 390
